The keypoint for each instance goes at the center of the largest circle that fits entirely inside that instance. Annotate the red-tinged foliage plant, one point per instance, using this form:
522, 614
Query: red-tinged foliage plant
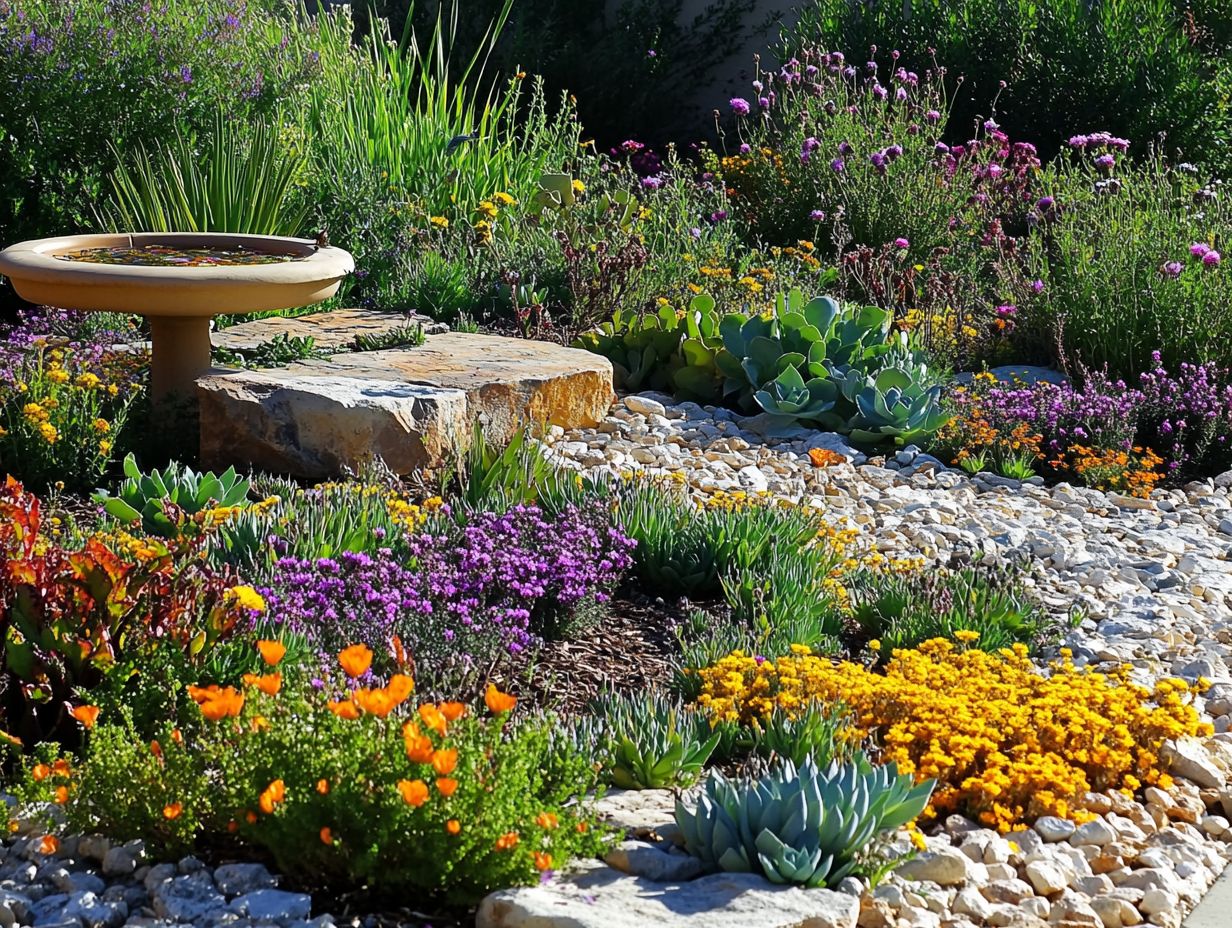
68, 615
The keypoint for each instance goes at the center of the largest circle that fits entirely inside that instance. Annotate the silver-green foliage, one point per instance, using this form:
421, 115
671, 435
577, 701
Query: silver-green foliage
651, 742
799, 824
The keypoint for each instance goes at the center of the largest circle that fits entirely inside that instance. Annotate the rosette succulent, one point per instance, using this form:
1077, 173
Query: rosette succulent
799, 824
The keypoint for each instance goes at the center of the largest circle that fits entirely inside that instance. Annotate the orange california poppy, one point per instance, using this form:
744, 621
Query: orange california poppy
453, 710
445, 760
86, 715
269, 683
418, 746
344, 709
61, 768
61, 795
355, 660
433, 719
374, 702
40, 772
453, 826
49, 845
225, 702
543, 861
547, 820
497, 701
271, 651
400, 687
446, 787
156, 749
327, 836
176, 736
172, 811
250, 817
271, 796
506, 841
323, 787
233, 826
414, 792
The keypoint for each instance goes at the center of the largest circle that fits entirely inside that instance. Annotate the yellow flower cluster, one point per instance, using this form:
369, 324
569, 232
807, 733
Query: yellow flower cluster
1006, 743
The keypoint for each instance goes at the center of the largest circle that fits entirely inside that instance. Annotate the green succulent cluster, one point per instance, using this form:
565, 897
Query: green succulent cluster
808, 361
651, 742
160, 500
799, 824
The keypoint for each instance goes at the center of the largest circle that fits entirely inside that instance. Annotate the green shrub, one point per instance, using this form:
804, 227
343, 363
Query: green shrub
60, 422
799, 825
350, 787
1120, 276
1138, 68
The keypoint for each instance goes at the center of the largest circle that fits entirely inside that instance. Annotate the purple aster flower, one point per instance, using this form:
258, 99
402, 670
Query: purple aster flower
1199, 249
817, 216
1173, 269
1211, 258
838, 165
740, 106
932, 116
902, 243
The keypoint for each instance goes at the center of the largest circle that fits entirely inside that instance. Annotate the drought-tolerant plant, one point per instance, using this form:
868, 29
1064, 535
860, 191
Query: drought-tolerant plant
60, 422
278, 351
815, 731
353, 784
651, 742
410, 335
981, 724
232, 180
906, 609
69, 615
799, 824
165, 502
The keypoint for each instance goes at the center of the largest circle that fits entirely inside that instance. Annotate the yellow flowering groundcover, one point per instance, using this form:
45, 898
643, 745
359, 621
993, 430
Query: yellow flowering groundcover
1005, 742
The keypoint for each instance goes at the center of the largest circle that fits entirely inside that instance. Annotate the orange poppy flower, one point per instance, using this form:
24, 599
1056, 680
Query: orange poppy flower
250, 817
582, 827
233, 826
86, 715
418, 746
49, 845
433, 719
547, 820
355, 660
327, 836
323, 787
543, 861
61, 795
61, 768
176, 736
453, 826
40, 772
445, 760
156, 749
344, 709
497, 701
400, 687
446, 786
217, 702
453, 710
269, 683
271, 796
271, 651
172, 811
414, 792
507, 841
374, 702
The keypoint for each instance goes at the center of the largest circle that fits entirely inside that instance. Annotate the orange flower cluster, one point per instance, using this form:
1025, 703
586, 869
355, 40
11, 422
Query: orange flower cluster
1135, 472
217, 702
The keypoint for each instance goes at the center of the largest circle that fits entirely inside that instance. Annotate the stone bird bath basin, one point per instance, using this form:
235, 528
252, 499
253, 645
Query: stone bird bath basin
180, 300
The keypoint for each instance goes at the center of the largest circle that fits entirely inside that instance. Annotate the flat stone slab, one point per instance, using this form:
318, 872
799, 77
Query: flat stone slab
412, 407
600, 897
330, 331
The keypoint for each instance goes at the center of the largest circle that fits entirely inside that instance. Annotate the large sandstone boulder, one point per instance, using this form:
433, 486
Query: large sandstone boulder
330, 331
600, 897
413, 408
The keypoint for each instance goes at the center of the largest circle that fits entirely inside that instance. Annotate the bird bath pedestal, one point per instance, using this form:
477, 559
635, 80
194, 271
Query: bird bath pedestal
179, 299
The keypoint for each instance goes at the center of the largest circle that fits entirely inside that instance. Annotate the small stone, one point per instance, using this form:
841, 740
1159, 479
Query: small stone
273, 905
1096, 832
1188, 758
1114, 912
1046, 877
119, 861
638, 858
1053, 829
971, 902
644, 405
1156, 901
237, 879
945, 867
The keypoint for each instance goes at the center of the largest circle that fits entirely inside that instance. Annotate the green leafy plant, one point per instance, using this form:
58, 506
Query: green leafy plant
899, 401
644, 348
818, 731
402, 336
240, 178
653, 742
165, 501
278, 351
799, 824
904, 610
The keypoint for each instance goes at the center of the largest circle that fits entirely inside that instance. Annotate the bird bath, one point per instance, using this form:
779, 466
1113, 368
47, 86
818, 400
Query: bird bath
178, 280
